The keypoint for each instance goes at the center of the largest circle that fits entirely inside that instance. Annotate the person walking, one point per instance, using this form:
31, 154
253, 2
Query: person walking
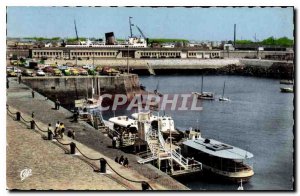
114, 142
61, 129
126, 162
50, 133
57, 104
71, 134
20, 77
121, 160
56, 129
32, 115
32, 93
117, 159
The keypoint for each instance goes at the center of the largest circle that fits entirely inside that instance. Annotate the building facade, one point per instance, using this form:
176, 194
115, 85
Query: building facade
138, 53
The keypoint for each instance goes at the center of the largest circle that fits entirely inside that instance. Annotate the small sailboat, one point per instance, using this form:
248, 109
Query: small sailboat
204, 95
156, 90
224, 98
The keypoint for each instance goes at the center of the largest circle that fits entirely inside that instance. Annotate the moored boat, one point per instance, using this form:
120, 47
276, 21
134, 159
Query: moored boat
286, 90
218, 158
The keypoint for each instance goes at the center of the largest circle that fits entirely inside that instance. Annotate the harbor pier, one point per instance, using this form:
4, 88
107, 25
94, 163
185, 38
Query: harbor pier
63, 168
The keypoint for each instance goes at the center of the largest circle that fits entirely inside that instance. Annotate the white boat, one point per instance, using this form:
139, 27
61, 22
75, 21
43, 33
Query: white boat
286, 90
224, 98
164, 123
218, 158
204, 95
125, 129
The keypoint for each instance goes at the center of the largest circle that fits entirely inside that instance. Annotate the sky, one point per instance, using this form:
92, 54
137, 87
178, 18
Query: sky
195, 23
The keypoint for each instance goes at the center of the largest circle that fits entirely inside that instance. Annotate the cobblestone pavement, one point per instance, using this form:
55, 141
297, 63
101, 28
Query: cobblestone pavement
19, 96
51, 167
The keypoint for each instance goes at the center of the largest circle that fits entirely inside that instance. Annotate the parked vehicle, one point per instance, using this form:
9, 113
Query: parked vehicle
66, 72
109, 71
82, 71
40, 73
48, 69
27, 72
92, 72
11, 73
88, 67
56, 72
74, 72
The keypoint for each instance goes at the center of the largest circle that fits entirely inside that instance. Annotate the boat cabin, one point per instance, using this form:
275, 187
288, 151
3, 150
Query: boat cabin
219, 158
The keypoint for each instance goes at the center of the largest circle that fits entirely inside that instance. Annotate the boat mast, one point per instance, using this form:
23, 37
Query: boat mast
202, 84
223, 90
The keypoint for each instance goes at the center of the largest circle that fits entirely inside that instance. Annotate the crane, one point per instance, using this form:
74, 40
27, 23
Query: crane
141, 32
76, 30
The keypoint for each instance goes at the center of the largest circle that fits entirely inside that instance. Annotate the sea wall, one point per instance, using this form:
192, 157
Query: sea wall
70, 88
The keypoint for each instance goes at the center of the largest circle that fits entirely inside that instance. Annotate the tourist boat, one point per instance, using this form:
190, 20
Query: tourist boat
165, 124
204, 95
224, 98
124, 128
218, 158
286, 90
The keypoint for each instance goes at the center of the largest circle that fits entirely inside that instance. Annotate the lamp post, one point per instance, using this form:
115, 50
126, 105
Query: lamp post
128, 60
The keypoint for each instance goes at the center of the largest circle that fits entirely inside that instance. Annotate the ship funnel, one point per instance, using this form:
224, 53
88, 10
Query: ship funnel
110, 38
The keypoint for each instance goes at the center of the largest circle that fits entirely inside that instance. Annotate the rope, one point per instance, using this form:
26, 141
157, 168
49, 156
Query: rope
62, 143
86, 156
40, 128
24, 119
125, 177
11, 112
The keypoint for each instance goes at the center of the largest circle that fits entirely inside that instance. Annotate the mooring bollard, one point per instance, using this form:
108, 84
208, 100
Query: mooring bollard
102, 165
145, 186
32, 124
72, 148
50, 135
18, 116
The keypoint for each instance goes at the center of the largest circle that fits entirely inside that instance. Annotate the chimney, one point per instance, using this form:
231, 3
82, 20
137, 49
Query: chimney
234, 35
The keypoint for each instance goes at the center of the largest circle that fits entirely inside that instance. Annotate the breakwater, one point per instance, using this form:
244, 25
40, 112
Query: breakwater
70, 88
236, 66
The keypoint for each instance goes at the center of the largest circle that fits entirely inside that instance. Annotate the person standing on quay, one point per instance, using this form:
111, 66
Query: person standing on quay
58, 105
20, 77
32, 93
56, 129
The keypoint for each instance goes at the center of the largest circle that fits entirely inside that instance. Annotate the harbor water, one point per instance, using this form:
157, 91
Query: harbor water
259, 119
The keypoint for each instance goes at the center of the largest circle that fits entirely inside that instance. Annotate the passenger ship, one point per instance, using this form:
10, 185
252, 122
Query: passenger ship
219, 158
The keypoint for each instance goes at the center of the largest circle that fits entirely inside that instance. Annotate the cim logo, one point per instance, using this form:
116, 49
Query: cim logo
25, 173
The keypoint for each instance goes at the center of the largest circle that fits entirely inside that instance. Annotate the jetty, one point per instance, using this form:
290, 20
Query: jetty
66, 170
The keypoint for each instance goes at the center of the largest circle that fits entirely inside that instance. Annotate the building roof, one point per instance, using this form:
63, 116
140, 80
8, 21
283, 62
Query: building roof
123, 121
218, 149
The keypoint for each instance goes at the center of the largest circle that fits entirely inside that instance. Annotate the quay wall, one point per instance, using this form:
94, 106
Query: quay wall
70, 88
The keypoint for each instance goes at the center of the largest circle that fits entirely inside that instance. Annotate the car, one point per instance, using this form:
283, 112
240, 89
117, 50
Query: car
27, 72
109, 71
56, 72
88, 67
48, 69
9, 68
11, 73
92, 72
74, 72
82, 71
66, 72
17, 70
40, 73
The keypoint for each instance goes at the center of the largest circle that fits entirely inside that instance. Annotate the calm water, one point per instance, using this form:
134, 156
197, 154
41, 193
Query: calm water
259, 119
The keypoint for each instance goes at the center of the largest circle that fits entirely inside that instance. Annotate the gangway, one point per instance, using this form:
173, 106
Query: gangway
160, 151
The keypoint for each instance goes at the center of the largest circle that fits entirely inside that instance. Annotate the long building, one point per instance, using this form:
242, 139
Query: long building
92, 52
